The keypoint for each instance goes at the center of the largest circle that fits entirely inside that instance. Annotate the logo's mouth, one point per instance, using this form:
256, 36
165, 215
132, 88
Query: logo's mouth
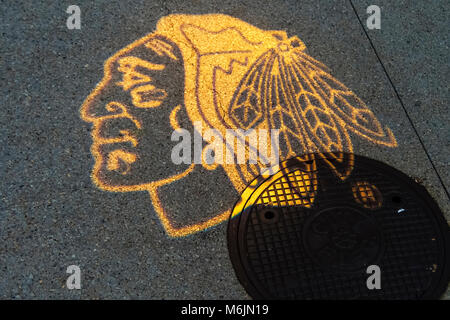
114, 151
116, 156
120, 161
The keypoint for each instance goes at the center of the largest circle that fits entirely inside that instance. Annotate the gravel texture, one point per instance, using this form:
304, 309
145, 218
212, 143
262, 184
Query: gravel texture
51, 214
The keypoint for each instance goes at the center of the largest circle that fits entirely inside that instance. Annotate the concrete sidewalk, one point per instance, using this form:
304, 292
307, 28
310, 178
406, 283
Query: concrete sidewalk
53, 216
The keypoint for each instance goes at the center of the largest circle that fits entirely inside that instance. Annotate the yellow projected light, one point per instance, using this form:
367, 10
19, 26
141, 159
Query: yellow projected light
236, 76
367, 195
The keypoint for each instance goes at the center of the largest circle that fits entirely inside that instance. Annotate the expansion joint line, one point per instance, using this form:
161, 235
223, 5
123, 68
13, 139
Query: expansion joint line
400, 99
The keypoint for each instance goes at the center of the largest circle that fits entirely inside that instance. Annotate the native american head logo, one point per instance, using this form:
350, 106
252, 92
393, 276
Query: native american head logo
234, 76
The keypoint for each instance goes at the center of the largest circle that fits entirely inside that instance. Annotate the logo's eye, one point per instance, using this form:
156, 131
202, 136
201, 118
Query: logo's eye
148, 96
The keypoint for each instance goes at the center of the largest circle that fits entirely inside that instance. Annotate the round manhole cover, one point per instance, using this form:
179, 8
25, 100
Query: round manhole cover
310, 232
343, 238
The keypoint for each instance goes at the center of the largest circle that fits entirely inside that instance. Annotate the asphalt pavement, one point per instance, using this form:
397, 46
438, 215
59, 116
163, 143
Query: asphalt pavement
52, 214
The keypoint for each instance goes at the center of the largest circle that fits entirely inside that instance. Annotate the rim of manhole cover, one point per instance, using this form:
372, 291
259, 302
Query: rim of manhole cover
308, 232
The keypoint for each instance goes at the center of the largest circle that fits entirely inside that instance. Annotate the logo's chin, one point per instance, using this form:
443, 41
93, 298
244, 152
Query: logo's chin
112, 172
113, 185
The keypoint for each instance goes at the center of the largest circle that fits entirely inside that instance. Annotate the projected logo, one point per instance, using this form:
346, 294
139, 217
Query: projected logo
223, 73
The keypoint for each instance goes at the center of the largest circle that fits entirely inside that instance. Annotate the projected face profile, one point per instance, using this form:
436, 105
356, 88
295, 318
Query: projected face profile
223, 73
130, 111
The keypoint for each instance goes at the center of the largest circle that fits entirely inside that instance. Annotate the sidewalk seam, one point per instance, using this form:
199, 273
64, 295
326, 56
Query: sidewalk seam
399, 98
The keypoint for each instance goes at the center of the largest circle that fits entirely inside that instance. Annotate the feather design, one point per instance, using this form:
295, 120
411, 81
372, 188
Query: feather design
314, 112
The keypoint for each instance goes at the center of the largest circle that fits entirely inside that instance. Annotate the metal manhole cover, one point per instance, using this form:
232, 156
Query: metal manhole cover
309, 233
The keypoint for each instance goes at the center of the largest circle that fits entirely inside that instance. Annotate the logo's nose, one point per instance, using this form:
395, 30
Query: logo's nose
98, 106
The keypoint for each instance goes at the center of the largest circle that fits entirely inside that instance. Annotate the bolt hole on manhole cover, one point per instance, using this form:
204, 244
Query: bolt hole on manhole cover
338, 226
